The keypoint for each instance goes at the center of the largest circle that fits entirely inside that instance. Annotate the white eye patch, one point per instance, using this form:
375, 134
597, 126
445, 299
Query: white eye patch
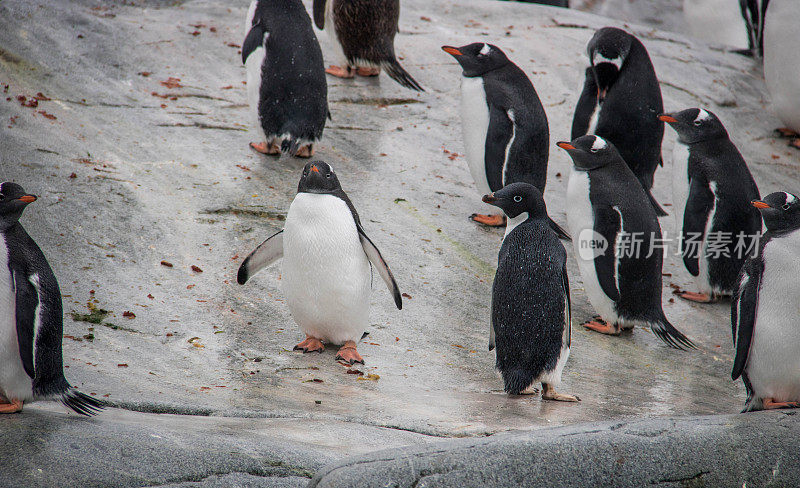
790, 198
485, 49
703, 115
599, 58
599, 143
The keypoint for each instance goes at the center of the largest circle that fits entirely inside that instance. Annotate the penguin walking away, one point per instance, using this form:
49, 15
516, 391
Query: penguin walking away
616, 240
620, 102
326, 264
30, 318
531, 322
764, 313
505, 128
364, 33
782, 65
286, 85
712, 190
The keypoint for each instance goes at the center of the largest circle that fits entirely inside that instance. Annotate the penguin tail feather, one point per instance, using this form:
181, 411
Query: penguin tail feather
670, 335
659, 211
81, 403
560, 232
515, 381
400, 75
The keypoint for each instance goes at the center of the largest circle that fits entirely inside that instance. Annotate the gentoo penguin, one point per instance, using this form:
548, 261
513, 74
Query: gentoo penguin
505, 128
620, 102
754, 13
30, 318
286, 84
764, 313
364, 33
712, 190
717, 21
326, 264
781, 66
616, 241
531, 322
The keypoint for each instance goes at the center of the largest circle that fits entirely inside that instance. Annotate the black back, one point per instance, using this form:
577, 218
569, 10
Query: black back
366, 28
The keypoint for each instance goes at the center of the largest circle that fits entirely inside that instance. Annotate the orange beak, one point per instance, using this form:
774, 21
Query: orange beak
667, 118
27, 198
565, 145
759, 204
315, 169
451, 51
489, 198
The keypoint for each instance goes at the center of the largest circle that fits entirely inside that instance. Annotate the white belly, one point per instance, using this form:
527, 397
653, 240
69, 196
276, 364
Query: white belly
781, 66
253, 68
326, 274
680, 182
773, 364
14, 382
475, 126
580, 219
717, 21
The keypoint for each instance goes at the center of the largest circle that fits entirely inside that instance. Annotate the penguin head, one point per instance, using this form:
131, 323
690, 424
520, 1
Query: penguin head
518, 198
781, 211
477, 58
695, 125
590, 152
13, 201
608, 49
318, 177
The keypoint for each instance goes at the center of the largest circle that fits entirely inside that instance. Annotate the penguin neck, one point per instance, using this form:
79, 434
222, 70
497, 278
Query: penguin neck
513, 222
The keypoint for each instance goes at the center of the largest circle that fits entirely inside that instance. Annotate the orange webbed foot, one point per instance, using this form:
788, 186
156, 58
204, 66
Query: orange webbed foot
264, 148
489, 220
349, 354
771, 404
340, 72
786, 133
311, 344
13, 406
601, 326
368, 71
697, 297
305, 151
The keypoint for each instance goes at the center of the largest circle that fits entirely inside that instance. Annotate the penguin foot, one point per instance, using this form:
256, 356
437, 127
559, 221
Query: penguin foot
368, 71
311, 344
771, 404
305, 151
264, 148
601, 326
786, 133
550, 393
339, 72
795, 143
349, 354
531, 390
496, 220
13, 406
697, 297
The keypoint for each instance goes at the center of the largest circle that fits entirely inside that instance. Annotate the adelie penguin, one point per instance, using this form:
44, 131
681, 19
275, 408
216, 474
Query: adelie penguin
363, 32
712, 190
621, 101
616, 236
30, 318
505, 128
764, 313
326, 274
286, 85
531, 321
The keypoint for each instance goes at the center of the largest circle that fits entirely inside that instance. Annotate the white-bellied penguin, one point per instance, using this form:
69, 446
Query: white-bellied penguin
621, 101
764, 313
286, 85
712, 189
363, 32
616, 238
506, 135
531, 323
326, 272
781, 69
31, 317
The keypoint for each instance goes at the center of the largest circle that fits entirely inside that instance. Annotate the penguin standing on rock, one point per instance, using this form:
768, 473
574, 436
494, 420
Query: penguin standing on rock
286, 85
781, 65
505, 128
616, 239
620, 102
764, 313
364, 32
712, 190
326, 264
531, 322
30, 318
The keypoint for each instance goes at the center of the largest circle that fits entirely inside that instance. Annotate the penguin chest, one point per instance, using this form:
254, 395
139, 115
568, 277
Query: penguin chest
773, 365
703, 279
326, 274
254, 66
14, 381
475, 126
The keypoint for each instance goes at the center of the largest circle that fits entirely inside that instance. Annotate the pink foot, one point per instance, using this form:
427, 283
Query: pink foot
368, 71
339, 72
601, 326
311, 344
697, 297
13, 406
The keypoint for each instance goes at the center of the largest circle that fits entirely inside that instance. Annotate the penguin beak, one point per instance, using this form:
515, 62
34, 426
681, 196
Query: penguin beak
489, 198
27, 198
452, 51
759, 204
566, 146
667, 118
314, 169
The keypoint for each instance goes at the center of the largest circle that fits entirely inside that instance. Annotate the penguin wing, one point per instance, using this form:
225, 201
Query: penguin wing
319, 13
253, 40
698, 207
744, 307
567, 335
27, 301
607, 223
374, 256
585, 107
497, 149
265, 254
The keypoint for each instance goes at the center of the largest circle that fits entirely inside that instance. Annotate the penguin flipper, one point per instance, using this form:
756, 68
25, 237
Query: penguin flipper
27, 301
744, 306
254, 40
585, 107
319, 13
698, 207
375, 257
400, 75
567, 335
265, 254
659, 211
496, 149
607, 223
491, 337
560, 232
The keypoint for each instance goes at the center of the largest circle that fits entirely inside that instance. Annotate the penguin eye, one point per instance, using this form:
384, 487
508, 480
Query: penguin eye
786, 206
697, 123
2, 197
594, 150
328, 175
517, 198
